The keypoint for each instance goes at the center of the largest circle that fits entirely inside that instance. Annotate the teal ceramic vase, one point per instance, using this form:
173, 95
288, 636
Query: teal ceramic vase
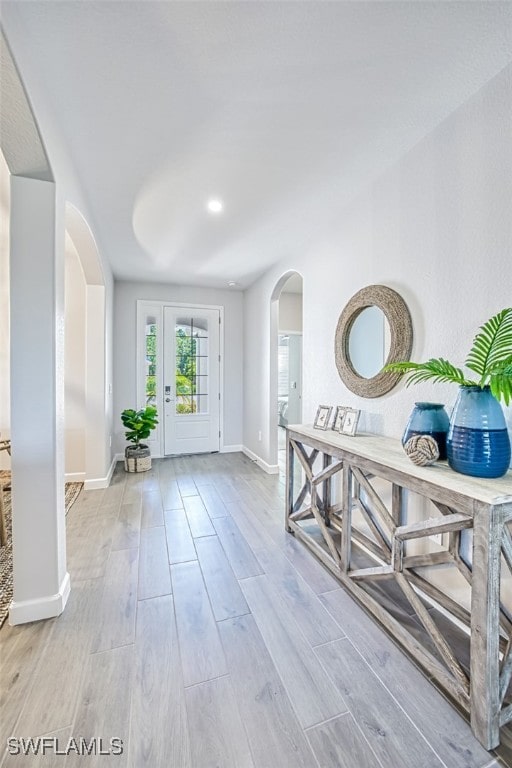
478, 442
429, 419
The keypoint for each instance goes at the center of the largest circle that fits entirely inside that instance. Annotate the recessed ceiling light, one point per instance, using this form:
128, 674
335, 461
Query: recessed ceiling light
232, 283
215, 206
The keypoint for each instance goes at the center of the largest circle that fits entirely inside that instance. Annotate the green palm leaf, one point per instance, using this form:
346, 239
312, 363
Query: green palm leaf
492, 344
437, 370
490, 357
500, 381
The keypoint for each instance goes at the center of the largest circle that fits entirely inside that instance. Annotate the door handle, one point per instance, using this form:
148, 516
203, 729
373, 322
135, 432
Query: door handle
167, 399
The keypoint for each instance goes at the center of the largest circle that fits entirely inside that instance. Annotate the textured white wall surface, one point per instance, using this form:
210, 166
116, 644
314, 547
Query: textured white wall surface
125, 312
74, 362
5, 389
436, 228
290, 312
37, 399
69, 185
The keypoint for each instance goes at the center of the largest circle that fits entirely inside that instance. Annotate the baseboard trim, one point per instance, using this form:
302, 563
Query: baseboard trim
232, 449
21, 612
96, 483
270, 469
74, 477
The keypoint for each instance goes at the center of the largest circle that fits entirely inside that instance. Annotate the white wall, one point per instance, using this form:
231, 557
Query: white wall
74, 362
125, 376
436, 228
290, 312
69, 191
5, 390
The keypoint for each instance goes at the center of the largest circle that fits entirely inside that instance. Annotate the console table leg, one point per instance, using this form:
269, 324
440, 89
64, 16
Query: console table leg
326, 496
485, 610
346, 523
290, 468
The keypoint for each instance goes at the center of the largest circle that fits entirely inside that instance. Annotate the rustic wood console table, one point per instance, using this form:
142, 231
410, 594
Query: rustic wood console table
482, 687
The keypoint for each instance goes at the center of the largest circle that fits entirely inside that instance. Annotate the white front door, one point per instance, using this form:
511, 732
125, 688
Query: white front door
191, 380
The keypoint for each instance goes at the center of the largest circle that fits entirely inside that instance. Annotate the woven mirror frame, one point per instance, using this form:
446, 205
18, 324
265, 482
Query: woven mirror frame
397, 314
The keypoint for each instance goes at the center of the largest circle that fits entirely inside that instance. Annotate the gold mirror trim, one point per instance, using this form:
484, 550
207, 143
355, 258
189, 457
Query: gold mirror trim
397, 314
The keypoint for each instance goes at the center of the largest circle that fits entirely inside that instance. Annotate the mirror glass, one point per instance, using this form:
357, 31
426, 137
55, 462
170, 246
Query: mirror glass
369, 342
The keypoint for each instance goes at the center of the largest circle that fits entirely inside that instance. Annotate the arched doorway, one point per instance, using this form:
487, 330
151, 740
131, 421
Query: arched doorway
87, 403
285, 362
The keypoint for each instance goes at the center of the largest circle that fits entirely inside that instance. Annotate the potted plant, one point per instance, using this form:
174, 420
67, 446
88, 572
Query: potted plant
139, 425
478, 442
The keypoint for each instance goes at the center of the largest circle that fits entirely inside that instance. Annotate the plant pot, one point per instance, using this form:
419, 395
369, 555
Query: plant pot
478, 442
429, 419
137, 458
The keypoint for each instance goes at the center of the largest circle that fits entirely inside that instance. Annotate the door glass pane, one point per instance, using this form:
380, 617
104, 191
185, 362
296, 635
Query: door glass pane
150, 360
191, 335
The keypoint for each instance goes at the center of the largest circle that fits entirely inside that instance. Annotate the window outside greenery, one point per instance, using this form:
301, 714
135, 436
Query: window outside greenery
151, 364
186, 369
188, 389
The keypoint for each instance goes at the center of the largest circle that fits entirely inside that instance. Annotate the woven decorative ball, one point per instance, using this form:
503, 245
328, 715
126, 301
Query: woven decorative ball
422, 450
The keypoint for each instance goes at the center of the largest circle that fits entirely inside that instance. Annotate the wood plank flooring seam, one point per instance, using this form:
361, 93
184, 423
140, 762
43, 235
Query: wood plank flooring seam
99, 686
324, 695
328, 720
210, 680
230, 587
127, 746
115, 647
368, 759
397, 702
78, 698
404, 715
207, 623
327, 642
152, 597
238, 616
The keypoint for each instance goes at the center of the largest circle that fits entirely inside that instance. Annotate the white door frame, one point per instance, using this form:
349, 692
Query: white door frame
157, 307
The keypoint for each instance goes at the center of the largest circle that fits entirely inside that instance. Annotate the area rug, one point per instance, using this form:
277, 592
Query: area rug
71, 494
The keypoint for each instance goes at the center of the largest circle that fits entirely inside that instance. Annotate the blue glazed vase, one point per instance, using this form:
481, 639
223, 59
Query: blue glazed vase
478, 442
428, 419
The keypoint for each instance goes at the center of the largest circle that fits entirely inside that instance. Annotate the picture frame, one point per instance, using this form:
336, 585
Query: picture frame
350, 420
323, 416
339, 415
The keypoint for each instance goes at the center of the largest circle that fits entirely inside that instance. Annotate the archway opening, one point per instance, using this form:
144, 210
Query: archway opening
286, 362
85, 361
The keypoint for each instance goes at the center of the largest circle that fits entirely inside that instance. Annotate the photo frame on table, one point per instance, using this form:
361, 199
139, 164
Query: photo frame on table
350, 419
339, 415
323, 416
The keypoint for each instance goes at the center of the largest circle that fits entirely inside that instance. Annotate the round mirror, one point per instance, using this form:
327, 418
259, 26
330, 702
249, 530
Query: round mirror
369, 341
374, 329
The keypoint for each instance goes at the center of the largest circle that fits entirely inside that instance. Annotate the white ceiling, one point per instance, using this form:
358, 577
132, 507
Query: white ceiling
284, 110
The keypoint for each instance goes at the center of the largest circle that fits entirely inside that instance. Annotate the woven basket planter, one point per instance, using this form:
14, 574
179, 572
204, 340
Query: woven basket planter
137, 459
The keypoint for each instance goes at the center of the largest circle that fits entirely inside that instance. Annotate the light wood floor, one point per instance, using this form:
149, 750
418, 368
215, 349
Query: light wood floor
204, 636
